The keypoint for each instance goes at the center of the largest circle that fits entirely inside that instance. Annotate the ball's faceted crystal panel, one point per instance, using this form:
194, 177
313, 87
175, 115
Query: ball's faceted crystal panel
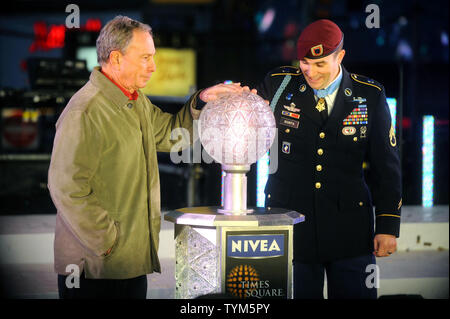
237, 128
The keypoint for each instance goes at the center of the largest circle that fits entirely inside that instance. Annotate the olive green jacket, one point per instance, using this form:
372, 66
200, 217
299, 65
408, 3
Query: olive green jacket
104, 180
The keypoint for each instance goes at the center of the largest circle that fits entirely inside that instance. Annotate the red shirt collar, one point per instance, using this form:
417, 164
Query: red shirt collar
130, 96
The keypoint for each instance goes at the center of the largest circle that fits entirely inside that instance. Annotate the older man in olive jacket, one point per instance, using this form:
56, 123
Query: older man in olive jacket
103, 176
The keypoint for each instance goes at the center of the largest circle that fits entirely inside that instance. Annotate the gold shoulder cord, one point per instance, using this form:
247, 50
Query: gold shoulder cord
296, 73
354, 77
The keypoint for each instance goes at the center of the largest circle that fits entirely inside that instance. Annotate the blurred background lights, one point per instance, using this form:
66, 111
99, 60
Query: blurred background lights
262, 174
380, 40
392, 102
266, 20
428, 161
404, 50
402, 21
444, 38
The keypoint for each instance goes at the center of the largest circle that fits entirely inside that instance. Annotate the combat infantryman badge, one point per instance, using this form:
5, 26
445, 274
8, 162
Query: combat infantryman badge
359, 99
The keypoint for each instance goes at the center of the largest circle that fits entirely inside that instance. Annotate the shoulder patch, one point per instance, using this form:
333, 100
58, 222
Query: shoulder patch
365, 80
286, 70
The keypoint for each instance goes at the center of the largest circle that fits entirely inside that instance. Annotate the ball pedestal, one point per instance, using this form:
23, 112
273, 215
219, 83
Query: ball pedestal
235, 255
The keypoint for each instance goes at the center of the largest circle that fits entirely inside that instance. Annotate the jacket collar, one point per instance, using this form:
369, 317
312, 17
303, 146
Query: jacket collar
130, 96
343, 103
305, 100
111, 91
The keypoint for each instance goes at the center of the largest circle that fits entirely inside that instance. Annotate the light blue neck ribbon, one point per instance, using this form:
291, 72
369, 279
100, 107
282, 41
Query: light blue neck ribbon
330, 88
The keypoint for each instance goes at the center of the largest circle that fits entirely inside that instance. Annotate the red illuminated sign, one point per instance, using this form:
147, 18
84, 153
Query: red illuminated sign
52, 37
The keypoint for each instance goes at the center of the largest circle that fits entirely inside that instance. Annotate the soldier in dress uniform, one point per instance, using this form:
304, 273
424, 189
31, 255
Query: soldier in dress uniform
329, 122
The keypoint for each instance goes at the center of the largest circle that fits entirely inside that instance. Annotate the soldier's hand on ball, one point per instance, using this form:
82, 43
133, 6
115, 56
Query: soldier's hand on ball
213, 92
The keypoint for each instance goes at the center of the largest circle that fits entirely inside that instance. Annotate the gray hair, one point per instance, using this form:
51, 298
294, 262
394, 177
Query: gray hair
116, 35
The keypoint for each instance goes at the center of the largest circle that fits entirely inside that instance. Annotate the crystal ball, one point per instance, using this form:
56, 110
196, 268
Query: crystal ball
237, 128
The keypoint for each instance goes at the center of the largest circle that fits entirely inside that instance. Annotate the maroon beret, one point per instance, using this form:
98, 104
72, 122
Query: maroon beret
319, 39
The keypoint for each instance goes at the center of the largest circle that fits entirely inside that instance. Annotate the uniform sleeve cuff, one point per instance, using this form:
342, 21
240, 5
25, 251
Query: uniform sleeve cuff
388, 224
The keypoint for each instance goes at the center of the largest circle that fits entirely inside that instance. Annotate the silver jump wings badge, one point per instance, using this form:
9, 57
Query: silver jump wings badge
291, 108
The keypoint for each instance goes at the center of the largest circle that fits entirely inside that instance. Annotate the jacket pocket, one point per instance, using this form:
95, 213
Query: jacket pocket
354, 142
277, 194
114, 246
356, 201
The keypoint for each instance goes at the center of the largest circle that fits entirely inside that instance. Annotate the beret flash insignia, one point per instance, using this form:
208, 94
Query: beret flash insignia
317, 50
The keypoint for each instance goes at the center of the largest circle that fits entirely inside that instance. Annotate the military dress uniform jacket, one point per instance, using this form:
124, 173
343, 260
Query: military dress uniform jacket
320, 165
104, 180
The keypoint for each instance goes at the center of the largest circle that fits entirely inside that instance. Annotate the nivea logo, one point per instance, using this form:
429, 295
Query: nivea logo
255, 246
